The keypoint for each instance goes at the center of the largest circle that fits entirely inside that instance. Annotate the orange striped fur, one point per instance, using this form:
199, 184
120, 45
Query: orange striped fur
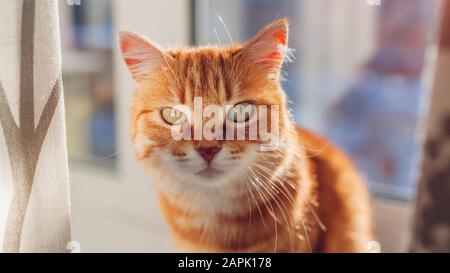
303, 196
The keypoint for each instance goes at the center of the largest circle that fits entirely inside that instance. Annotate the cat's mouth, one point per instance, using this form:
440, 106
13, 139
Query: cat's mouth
209, 172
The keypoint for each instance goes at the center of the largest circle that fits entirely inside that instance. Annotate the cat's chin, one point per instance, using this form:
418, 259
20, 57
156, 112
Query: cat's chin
209, 173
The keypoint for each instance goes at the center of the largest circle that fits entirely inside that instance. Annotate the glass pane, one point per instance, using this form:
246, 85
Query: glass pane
87, 38
357, 74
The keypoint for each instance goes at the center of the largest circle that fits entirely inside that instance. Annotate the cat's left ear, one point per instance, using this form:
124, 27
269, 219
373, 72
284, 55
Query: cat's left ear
140, 55
268, 48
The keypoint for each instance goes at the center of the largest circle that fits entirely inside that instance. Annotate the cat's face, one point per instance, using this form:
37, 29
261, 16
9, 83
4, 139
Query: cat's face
169, 85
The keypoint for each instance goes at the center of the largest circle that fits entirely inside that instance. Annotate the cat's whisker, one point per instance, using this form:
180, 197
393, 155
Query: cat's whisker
217, 36
169, 67
318, 152
319, 222
286, 207
264, 200
275, 196
287, 219
225, 27
306, 232
117, 152
314, 203
273, 183
256, 202
267, 203
250, 208
290, 199
268, 171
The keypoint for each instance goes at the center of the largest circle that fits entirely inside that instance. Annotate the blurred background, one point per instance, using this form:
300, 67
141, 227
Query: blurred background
358, 79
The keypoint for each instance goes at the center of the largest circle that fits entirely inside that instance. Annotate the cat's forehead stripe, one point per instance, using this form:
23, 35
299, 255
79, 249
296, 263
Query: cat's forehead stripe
205, 75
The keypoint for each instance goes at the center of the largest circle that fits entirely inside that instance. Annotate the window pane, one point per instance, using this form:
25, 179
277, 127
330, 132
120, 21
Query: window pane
87, 38
357, 75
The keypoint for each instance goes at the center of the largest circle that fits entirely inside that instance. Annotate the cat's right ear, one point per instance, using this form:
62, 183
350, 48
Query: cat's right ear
140, 55
268, 48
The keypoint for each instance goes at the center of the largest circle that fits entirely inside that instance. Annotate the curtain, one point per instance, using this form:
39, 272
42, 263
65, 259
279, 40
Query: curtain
34, 180
432, 220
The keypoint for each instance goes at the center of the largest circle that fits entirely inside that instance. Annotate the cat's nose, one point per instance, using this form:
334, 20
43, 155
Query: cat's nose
208, 153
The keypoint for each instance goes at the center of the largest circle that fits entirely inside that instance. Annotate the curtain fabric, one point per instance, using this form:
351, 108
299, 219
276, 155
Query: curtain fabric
432, 221
34, 180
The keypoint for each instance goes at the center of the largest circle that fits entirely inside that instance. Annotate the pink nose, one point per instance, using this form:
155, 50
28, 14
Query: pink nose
208, 153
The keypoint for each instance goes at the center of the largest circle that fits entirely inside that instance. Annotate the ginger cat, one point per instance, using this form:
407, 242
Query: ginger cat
221, 195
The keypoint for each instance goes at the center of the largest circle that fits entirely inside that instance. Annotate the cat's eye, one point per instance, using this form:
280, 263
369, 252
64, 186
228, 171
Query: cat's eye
241, 112
172, 116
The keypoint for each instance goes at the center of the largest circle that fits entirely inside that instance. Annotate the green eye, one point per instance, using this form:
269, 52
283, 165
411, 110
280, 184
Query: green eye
172, 116
241, 112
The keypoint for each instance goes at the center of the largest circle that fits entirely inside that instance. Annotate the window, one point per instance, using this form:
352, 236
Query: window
357, 78
87, 38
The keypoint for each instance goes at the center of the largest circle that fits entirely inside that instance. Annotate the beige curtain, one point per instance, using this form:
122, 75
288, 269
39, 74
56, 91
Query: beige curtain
432, 220
34, 187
